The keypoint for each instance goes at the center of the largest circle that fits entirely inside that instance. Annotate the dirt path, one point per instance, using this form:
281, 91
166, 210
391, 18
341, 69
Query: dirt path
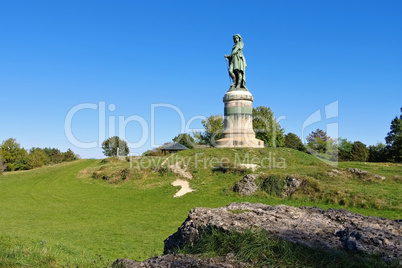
185, 187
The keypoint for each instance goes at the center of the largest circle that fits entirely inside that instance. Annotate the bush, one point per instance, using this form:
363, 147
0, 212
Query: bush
69, 156
274, 185
154, 152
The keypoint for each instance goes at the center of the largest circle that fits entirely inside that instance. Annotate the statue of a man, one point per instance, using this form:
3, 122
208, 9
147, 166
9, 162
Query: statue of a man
237, 64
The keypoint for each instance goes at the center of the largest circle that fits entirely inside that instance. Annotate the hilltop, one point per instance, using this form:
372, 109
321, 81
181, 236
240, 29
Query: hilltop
91, 212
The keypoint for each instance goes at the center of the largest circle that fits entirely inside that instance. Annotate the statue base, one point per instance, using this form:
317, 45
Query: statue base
238, 122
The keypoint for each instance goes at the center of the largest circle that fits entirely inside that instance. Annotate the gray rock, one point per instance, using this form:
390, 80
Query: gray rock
292, 184
179, 261
336, 229
379, 177
246, 186
334, 173
358, 172
364, 174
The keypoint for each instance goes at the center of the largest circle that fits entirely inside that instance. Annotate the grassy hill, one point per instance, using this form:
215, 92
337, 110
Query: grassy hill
87, 213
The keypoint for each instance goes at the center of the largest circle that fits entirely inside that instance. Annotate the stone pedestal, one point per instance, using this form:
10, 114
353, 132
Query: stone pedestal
238, 121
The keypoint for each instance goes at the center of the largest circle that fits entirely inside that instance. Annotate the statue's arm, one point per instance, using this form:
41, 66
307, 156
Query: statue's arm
236, 49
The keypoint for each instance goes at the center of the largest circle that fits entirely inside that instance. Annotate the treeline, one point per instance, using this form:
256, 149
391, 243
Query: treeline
13, 157
318, 142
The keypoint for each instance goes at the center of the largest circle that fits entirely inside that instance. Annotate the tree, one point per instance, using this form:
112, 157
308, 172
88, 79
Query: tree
54, 154
377, 153
266, 127
37, 158
213, 126
344, 149
114, 146
294, 142
69, 156
319, 142
42, 153
394, 140
185, 139
359, 152
13, 155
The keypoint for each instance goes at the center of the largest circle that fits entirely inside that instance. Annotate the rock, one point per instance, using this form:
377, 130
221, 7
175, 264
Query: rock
246, 186
379, 177
364, 174
179, 261
334, 173
348, 239
292, 184
253, 167
336, 229
358, 172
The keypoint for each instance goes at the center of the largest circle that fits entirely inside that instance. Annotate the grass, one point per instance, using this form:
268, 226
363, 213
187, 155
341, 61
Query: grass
19, 252
91, 212
260, 249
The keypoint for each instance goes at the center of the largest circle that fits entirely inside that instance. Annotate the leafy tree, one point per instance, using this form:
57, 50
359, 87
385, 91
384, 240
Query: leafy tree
359, 152
377, 153
114, 146
37, 158
13, 155
294, 142
267, 128
319, 142
344, 149
185, 139
69, 156
54, 154
40, 153
213, 126
394, 140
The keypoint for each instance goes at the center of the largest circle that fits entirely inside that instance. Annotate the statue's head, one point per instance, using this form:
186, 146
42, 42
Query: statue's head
236, 38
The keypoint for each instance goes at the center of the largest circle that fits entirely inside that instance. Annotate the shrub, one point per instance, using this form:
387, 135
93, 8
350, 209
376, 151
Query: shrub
274, 185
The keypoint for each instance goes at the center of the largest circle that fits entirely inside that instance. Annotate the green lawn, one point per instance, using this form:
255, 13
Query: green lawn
58, 216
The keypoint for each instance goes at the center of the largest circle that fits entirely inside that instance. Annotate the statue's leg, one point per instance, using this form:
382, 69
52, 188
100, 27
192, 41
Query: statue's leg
232, 75
239, 79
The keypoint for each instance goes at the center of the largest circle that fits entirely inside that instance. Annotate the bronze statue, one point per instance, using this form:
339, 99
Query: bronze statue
237, 64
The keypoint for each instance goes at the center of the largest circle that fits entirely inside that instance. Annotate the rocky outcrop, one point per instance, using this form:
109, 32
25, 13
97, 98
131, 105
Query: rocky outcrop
179, 261
246, 186
364, 174
292, 184
336, 229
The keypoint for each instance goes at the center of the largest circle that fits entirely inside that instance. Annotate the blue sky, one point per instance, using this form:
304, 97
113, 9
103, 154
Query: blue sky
159, 65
